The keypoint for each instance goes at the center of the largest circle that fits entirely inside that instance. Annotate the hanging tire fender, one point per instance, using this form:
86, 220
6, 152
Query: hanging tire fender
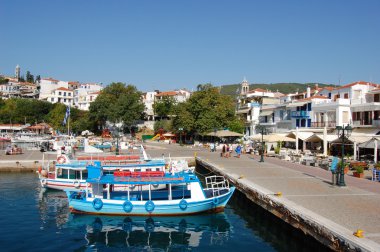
97, 204
149, 206
183, 204
127, 206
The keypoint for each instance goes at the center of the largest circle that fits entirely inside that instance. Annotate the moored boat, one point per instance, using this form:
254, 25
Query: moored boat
183, 194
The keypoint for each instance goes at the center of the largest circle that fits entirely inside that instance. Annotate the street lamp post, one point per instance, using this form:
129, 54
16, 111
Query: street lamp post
117, 127
180, 136
342, 132
214, 139
262, 131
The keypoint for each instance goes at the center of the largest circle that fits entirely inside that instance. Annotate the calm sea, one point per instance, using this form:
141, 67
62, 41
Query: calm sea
32, 219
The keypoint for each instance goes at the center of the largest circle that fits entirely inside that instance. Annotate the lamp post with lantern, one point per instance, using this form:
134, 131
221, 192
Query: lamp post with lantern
262, 130
343, 132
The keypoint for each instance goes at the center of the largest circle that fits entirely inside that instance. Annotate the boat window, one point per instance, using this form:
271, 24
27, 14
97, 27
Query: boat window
65, 173
84, 174
59, 173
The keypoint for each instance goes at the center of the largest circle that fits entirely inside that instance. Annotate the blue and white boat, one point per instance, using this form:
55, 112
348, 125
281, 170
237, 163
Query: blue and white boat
73, 175
183, 194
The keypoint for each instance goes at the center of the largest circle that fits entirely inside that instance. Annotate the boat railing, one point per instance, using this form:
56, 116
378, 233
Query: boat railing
216, 184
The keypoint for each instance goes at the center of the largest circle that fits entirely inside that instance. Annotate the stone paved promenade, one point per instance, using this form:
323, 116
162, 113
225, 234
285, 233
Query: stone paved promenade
306, 191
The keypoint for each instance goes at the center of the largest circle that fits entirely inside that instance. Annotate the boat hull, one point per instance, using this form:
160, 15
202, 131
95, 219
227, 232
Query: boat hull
161, 207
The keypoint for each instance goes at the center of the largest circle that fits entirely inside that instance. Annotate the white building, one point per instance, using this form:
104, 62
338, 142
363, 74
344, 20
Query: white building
180, 95
257, 107
62, 95
85, 94
356, 103
148, 99
48, 85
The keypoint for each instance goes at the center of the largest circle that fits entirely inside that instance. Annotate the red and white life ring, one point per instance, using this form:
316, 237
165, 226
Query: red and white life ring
61, 159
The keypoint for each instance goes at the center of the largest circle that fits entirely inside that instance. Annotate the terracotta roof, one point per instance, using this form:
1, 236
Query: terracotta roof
329, 88
260, 90
50, 79
73, 82
97, 92
358, 83
64, 89
168, 93
314, 97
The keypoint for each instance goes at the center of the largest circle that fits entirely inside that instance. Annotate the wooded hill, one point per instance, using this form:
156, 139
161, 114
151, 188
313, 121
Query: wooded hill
284, 88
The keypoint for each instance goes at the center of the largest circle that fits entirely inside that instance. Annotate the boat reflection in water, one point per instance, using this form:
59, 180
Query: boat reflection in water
153, 233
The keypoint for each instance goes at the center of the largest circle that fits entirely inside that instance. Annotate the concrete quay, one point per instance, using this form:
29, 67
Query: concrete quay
309, 201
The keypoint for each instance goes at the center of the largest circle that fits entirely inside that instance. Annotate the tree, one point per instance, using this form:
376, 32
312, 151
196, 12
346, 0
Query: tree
166, 125
205, 111
164, 107
117, 102
29, 77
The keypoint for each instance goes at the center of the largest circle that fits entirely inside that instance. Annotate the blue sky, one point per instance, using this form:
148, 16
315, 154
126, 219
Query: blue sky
167, 44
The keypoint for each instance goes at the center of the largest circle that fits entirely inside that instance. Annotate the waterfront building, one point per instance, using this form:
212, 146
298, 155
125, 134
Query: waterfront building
256, 107
356, 103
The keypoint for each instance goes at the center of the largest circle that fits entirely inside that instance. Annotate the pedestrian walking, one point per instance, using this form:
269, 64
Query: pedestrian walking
238, 151
223, 151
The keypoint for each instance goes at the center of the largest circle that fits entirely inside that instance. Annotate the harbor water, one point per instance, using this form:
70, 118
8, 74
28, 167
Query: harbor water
33, 219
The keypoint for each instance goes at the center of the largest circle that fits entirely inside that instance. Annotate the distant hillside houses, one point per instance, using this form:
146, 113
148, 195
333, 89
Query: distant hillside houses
70, 93
76, 94
357, 104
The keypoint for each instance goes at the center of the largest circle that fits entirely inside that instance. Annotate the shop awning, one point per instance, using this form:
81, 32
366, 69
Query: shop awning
295, 104
319, 137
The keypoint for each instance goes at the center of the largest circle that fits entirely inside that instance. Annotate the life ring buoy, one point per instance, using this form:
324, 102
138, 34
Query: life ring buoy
149, 206
76, 184
127, 206
215, 201
183, 204
39, 169
43, 182
61, 159
97, 204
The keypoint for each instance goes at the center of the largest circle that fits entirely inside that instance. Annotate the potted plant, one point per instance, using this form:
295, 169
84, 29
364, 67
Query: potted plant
345, 165
359, 171
377, 166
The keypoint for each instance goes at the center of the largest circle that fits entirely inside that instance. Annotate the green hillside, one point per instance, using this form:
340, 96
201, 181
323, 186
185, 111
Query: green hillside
284, 88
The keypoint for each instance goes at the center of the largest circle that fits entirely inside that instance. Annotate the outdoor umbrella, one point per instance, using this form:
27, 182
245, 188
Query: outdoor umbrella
224, 133
273, 138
